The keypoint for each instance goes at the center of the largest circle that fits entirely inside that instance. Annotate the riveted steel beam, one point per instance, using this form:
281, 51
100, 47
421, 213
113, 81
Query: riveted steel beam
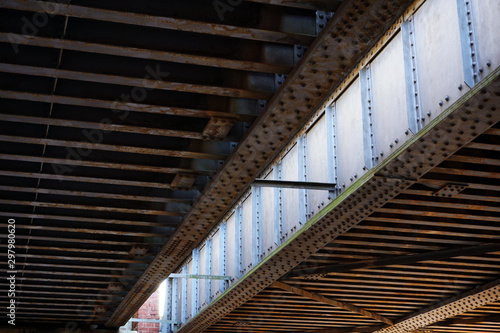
321, 70
369, 193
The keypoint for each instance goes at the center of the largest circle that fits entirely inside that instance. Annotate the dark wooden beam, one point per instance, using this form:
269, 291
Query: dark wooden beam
161, 22
123, 106
133, 52
114, 148
448, 308
399, 260
326, 5
134, 82
329, 301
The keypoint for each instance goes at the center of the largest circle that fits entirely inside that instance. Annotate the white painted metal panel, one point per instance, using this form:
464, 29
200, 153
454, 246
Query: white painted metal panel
390, 117
231, 250
290, 196
267, 217
190, 290
486, 15
247, 233
203, 271
317, 164
349, 135
439, 56
215, 261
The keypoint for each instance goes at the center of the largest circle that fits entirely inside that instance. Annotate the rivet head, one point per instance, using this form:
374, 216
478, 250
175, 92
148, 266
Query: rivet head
441, 103
488, 63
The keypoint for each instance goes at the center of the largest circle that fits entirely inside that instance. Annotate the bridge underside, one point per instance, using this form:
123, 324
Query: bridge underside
112, 194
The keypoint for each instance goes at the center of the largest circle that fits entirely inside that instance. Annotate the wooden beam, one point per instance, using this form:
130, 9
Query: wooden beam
87, 231
451, 307
329, 301
106, 165
21, 174
93, 208
99, 195
326, 5
134, 82
159, 22
114, 148
134, 52
101, 126
399, 260
124, 106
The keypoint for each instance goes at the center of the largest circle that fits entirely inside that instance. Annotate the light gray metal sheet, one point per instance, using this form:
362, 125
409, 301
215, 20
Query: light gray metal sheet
350, 135
267, 216
317, 163
390, 117
290, 196
247, 233
215, 261
203, 270
439, 56
231, 250
190, 290
486, 14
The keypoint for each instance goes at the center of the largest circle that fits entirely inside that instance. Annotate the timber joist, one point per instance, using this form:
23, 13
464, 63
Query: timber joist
475, 113
329, 59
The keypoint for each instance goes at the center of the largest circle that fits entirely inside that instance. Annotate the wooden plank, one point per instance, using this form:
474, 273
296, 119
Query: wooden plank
134, 82
161, 22
451, 307
133, 52
101, 126
106, 165
339, 304
100, 195
114, 148
124, 106
326, 5
400, 260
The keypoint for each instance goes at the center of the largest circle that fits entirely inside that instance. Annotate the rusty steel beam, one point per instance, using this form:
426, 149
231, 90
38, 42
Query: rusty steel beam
114, 148
124, 106
322, 299
320, 71
360, 329
399, 260
101, 126
94, 208
159, 22
448, 308
134, 52
55, 267
106, 165
100, 195
369, 193
326, 5
134, 82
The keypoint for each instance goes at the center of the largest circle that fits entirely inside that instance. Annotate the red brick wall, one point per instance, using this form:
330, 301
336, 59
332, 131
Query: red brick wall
149, 310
